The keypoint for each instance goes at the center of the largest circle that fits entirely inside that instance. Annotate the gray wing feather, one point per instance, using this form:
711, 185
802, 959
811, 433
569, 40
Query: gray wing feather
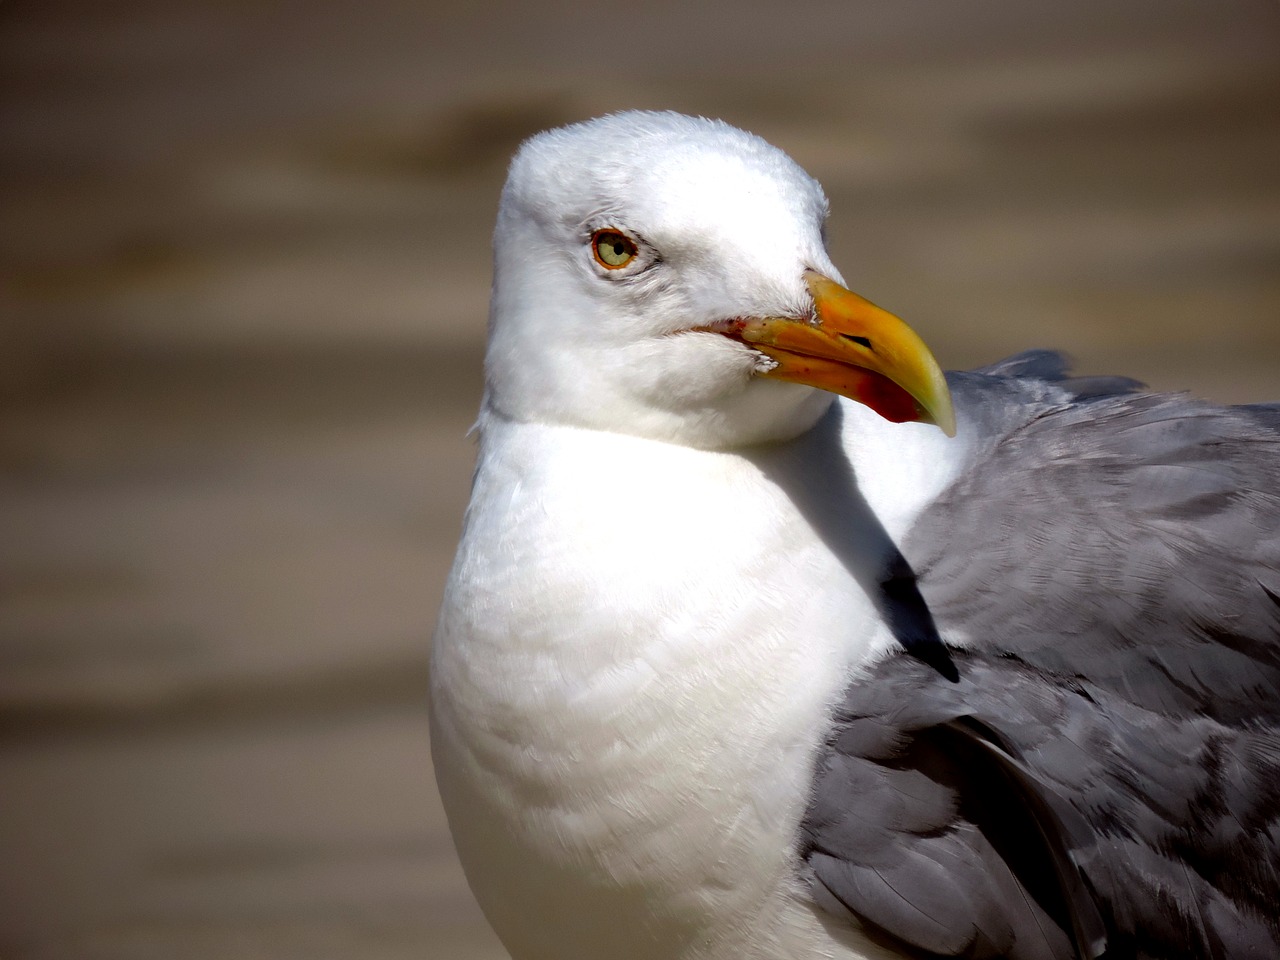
1054, 367
1132, 540
1106, 773
1044, 819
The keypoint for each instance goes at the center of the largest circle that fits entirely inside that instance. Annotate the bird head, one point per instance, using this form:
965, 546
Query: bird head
667, 276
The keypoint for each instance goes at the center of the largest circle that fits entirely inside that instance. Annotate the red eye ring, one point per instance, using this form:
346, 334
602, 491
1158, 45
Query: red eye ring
613, 249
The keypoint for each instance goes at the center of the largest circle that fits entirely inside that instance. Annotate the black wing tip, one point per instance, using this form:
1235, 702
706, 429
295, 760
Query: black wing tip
934, 653
911, 620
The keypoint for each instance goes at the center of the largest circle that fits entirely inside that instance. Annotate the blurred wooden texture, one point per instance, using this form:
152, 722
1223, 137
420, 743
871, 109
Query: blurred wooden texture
245, 266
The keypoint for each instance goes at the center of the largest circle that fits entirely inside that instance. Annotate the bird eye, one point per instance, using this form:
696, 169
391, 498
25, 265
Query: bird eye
612, 250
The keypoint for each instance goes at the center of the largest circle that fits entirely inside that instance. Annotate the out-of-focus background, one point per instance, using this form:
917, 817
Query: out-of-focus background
245, 263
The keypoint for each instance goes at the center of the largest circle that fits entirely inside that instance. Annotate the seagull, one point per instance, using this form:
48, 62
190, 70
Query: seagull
766, 641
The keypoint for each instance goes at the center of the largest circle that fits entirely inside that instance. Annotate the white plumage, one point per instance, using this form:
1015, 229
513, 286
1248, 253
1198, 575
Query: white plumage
643, 633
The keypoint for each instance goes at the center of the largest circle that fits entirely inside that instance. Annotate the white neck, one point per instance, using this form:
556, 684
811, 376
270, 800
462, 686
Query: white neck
631, 676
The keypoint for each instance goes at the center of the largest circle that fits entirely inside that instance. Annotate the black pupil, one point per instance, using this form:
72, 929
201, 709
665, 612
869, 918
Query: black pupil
618, 248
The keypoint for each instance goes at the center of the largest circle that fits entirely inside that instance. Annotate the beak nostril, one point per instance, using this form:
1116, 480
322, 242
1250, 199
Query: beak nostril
859, 340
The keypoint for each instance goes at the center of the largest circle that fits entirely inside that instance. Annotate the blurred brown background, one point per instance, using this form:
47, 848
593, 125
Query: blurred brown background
245, 263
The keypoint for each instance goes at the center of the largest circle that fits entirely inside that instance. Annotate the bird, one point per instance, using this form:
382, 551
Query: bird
767, 640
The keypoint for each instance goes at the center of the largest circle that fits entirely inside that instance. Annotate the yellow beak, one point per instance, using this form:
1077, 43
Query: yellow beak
854, 349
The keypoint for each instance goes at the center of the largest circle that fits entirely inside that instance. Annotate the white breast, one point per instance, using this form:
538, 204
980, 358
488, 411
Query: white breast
638, 649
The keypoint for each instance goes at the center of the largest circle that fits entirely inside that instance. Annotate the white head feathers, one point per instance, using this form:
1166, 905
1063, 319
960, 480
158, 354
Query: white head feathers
724, 225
